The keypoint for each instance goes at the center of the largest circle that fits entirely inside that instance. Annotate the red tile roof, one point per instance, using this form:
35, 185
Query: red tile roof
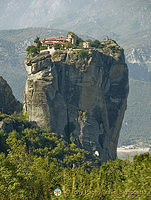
55, 38
53, 42
35, 45
49, 42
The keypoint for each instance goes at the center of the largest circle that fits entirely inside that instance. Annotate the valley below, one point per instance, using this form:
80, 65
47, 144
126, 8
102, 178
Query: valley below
128, 152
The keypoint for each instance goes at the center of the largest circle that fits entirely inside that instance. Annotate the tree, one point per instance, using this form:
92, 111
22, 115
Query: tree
57, 46
37, 41
83, 54
43, 48
95, 43
35, 162
32, 50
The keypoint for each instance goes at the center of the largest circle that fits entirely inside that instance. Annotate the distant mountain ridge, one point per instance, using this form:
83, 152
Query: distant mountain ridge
27, 13
126, 21
95, 17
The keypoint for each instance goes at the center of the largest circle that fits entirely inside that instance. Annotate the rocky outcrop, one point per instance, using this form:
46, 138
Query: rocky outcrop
83, 92
8, 103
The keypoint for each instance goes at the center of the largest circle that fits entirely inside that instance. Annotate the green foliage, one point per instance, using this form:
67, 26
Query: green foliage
32, 50
3, 146
42, 143
37, 41
43, 48
26, 176
33, 163
72, 33
57, 46
78, 41
95, 43
114, 48
68, 45
89, 40
100, 46
83, 54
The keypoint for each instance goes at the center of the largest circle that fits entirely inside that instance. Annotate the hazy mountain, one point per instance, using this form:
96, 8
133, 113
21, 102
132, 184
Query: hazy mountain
126, 21
25, 13
118, 18
136, 128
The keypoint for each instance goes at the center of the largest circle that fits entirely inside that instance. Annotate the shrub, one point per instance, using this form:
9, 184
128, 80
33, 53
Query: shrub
57, 46
100, 46
95, 43
68, 45
82, 54
43, 48
32, 50
114, 48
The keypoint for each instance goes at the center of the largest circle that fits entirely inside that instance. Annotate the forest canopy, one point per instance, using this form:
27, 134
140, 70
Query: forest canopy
34, 162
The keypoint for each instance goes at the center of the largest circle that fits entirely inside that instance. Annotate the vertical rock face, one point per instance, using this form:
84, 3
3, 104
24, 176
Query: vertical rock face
8, 103
80, 92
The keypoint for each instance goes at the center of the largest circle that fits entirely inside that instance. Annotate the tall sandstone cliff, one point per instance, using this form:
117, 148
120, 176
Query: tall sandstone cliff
80, 92
8, 103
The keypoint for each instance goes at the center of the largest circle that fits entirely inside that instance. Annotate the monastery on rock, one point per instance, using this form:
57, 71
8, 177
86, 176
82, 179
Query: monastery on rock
49, 42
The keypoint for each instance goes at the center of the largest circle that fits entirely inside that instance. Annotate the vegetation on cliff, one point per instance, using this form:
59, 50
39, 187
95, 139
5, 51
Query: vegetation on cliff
59, 149
33, 163
107, 46
35, 49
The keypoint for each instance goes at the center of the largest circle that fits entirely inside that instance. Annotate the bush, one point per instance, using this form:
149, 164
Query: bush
100, 46
57, 46
32, 50
43, 48
82, 54
34, 162
95, 43
114, 48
